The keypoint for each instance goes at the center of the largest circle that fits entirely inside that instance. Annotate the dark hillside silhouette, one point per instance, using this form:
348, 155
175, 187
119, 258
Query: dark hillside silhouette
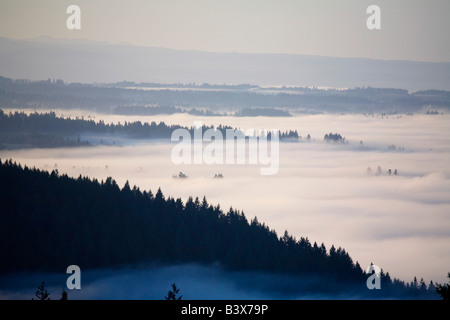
50, 221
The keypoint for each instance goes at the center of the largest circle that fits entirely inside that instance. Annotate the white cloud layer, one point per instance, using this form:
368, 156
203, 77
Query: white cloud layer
401, 223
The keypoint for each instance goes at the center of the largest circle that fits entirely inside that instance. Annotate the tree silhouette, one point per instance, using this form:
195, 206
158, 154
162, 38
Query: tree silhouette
42, 293
172, 294
334, 137
64, 295
444, 289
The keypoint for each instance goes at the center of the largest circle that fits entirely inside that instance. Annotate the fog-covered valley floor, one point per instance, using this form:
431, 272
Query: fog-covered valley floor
194, 281
322, 191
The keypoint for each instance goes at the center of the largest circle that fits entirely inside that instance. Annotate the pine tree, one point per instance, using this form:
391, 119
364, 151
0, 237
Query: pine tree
172, 294
64, 295
42, 293
444, 289
431, 287
415, 284
422, 286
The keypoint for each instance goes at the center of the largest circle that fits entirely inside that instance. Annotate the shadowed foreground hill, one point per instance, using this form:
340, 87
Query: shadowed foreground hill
50, 221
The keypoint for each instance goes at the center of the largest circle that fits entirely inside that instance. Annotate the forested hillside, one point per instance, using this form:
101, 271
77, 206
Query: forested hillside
50, 221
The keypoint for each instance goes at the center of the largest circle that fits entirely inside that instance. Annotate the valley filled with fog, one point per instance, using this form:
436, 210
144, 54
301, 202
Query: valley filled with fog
196, 282
322, 191
241, 150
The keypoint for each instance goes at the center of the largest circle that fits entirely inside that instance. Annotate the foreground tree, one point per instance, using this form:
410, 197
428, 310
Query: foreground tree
172, 294
444, 289
42, 293
64, 295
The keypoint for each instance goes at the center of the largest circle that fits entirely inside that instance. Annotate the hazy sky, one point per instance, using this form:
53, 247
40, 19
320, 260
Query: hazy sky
410, 29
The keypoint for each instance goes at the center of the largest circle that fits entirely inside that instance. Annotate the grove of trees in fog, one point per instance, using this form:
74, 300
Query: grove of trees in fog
47, 130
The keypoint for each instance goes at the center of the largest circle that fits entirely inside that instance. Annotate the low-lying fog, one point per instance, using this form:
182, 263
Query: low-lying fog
195, 283
323, 191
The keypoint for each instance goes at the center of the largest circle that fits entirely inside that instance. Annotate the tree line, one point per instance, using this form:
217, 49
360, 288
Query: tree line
48, 130
161, 109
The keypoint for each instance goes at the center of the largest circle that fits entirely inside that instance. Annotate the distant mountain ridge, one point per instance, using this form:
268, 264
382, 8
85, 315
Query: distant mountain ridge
91, 61
205, 100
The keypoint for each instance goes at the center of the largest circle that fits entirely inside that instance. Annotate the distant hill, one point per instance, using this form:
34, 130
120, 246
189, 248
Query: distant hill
90, 61
212, 100
50, 221
258, 112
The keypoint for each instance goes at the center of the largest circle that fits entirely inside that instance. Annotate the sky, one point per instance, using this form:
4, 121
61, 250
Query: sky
410, 29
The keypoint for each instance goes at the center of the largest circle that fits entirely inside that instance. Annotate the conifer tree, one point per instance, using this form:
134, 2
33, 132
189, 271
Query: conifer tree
64, 295
172, 294
42, 293
444, 289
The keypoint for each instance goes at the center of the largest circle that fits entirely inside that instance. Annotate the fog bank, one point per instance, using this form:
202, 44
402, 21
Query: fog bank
322, 191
